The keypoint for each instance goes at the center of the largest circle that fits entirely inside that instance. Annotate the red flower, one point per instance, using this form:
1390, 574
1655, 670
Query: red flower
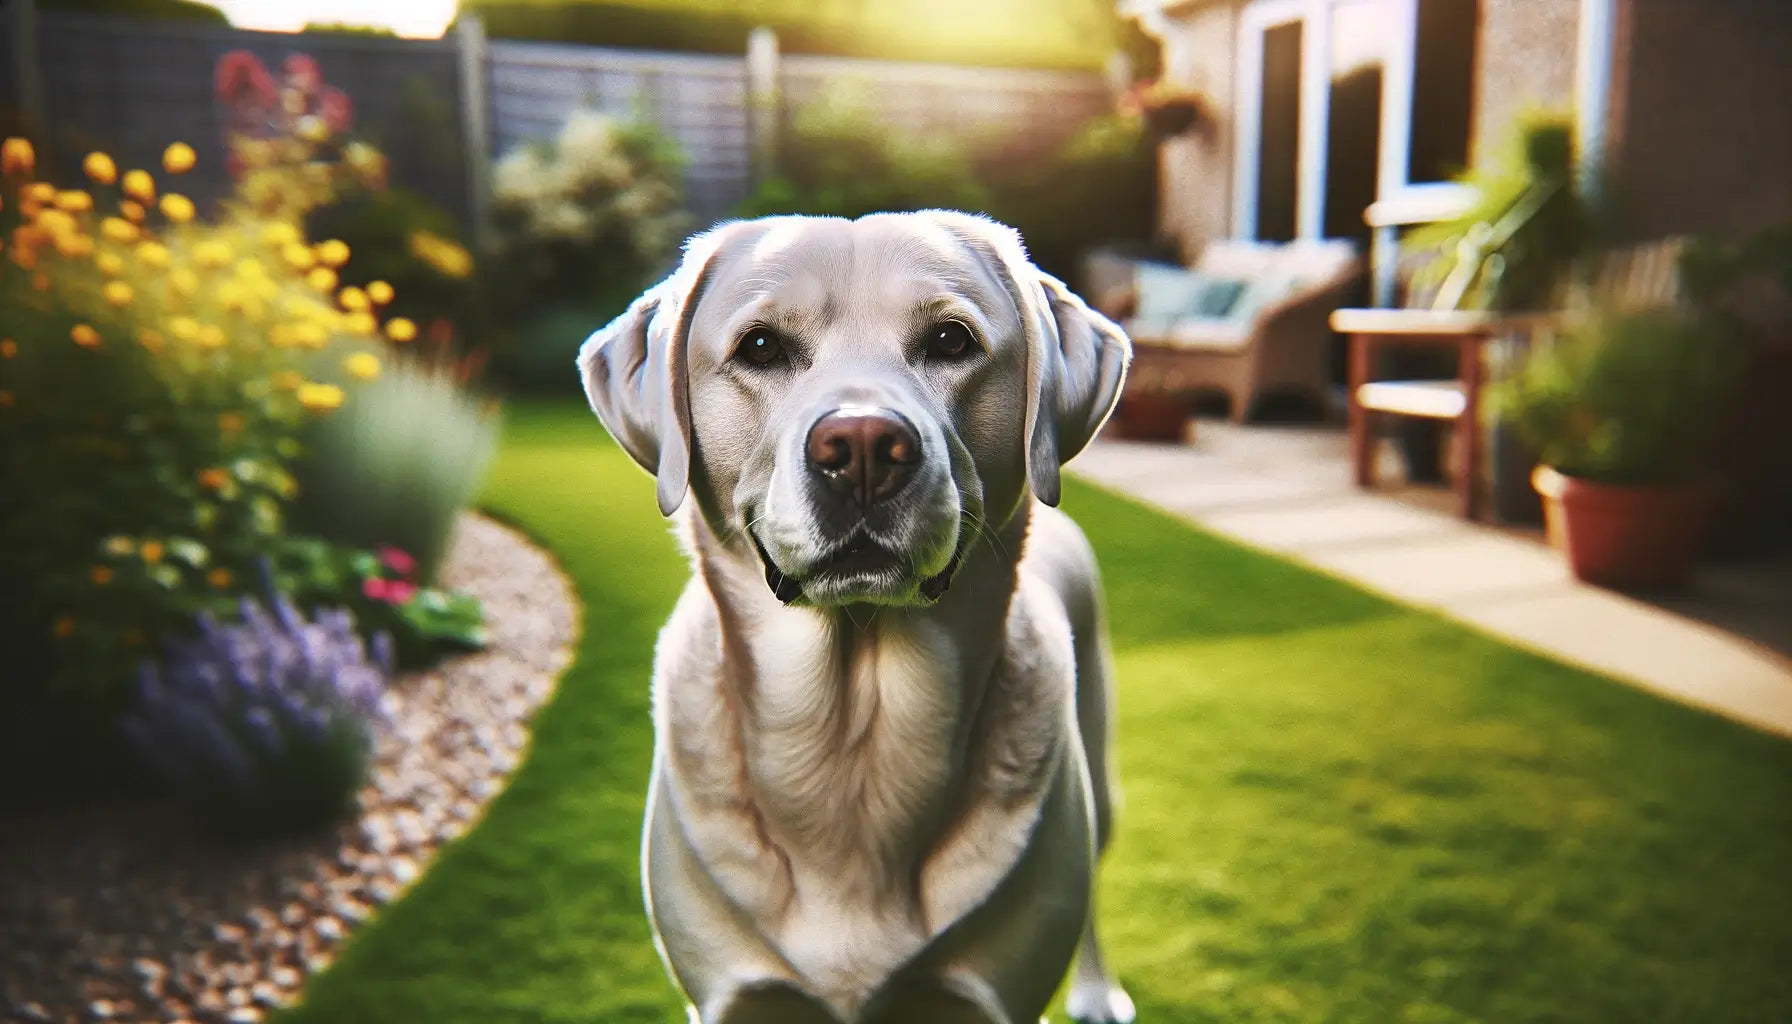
377, 589
399, 592
334, 107
302, 73
240, 80
397, 561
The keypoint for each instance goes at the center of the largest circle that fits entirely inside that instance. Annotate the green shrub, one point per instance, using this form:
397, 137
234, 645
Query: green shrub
396, 465
1624, 399
538, 354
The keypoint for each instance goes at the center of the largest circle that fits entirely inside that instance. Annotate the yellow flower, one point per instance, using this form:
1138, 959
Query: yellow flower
119, 230
154, 255
251, 268
360, 323
321, 278
75, 246
39, 192
219, 578
441, 253
139, 186
298, 256
310, 334
151, 551
401, 329
312, 128
177, 208
179, 158
74, 200
118, 293
85, 336
183, 280
17, 156
230, 422
120, 546
320, 397
64, 626
362, 365
184, 328
110, 263
286, 380
211, 336
100, 168
150, 338
332, 253
56, 222
100, 575
8, 348
212, 254
213, 478
380, 292
353, 298
280, 234
133, 210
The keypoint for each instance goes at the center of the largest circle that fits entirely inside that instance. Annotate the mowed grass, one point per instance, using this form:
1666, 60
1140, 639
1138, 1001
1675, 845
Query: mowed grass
1337, 809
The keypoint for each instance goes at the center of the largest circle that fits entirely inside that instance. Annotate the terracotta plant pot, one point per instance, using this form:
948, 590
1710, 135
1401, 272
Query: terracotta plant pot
1149, 416
1625, 537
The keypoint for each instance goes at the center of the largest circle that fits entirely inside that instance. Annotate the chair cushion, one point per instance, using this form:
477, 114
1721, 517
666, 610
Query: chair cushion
1166, 293
1219, 298
1192, 334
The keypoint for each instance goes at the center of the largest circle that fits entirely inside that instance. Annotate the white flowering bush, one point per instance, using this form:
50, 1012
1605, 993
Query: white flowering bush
596, 206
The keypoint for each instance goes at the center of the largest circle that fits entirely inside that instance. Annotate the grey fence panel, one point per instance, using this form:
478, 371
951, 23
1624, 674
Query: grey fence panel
699, 101
132, 86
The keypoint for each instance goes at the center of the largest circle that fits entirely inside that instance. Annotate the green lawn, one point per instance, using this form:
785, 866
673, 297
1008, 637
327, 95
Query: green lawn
1336, 808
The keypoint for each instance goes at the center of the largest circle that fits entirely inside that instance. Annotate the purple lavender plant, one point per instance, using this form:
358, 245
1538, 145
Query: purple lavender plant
265, 725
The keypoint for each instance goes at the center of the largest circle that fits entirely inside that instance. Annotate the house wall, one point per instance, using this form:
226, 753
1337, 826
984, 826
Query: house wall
1701, 134
1195, 171
1525, 62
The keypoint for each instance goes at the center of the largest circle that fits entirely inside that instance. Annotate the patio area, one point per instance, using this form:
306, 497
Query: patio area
1725, 645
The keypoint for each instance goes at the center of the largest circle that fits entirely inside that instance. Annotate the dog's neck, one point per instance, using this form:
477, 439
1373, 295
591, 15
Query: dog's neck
853, 724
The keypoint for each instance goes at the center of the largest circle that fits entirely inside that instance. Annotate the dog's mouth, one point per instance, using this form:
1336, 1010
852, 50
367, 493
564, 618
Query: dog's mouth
859, 557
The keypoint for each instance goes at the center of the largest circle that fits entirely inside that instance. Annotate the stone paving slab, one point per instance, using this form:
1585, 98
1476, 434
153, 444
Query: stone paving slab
1287, 491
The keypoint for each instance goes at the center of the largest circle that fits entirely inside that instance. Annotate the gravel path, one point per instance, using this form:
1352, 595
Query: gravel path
119, 915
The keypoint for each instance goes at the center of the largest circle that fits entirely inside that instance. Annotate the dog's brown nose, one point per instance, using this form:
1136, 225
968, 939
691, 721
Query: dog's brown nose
864, 452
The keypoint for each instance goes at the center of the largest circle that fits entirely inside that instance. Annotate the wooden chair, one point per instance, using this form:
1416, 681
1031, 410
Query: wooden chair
1641, 277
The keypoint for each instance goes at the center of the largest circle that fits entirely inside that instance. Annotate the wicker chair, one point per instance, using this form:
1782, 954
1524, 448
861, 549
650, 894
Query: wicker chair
1279, 341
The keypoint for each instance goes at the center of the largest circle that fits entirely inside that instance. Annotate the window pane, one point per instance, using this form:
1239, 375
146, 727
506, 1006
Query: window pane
1442, 89
1279, 158
1361, 31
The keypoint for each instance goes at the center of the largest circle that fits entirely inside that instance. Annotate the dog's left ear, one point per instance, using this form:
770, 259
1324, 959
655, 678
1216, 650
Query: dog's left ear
1076, 358
1077, 365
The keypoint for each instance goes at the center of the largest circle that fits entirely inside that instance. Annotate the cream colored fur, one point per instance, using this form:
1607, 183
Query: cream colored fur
868, 806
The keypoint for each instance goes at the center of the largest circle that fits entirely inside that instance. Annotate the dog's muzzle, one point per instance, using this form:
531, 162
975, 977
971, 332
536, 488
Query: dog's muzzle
787, 590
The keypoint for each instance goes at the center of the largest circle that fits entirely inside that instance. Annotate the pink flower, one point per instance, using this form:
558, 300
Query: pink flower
377, 589
400, 592
397, 560
302, 73
336, 110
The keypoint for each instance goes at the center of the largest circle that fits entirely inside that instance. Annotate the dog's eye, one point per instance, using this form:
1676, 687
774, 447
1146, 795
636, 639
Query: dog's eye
950, 340
760, 347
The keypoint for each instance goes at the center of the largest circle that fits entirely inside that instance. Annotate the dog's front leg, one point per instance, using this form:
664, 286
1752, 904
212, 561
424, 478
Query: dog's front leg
768, 1001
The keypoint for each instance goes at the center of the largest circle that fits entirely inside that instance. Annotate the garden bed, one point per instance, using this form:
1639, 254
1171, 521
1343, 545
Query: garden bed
123, 913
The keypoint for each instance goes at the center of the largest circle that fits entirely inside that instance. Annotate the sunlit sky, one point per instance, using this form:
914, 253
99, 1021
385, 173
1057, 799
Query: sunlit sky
416, 18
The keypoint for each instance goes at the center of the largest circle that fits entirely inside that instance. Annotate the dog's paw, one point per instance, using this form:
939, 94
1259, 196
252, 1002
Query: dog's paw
1099, 1003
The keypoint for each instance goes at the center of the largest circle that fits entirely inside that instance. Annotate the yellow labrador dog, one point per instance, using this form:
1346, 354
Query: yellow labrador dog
881, 779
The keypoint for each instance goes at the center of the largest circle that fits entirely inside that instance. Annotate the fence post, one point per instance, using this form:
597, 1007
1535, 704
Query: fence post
475, 128
764, 102
28, 75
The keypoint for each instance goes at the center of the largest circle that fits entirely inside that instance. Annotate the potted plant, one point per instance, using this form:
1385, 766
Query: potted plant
1622, 409
1167, 110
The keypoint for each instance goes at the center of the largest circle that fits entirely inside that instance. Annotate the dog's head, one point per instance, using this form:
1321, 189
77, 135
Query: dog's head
852, 401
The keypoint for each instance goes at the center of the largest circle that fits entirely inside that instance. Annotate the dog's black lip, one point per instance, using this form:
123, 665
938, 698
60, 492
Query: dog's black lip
859, 553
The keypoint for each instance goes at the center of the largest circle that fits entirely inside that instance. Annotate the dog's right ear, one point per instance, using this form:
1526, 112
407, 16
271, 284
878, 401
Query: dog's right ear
636, 375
